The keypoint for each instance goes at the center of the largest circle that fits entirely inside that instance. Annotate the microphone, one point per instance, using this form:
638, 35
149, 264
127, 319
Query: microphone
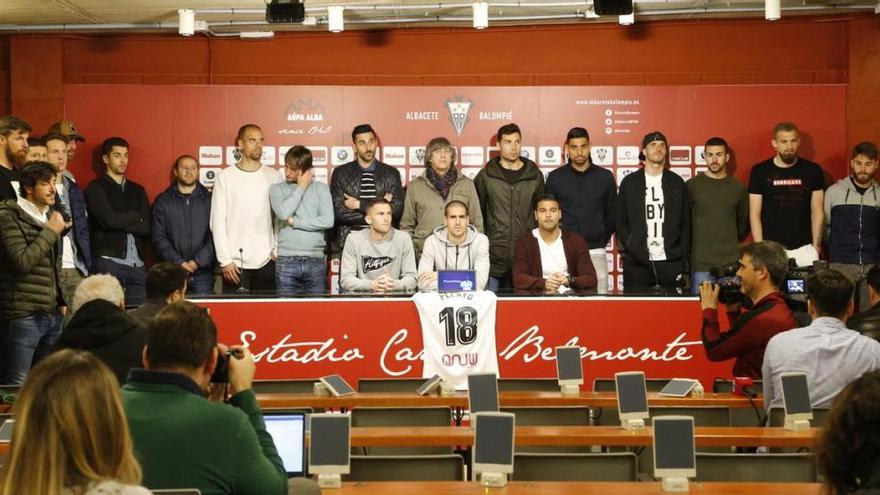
241, 288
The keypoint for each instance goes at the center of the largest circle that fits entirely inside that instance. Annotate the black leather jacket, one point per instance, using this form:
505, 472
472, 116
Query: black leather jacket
867, 323
346, 179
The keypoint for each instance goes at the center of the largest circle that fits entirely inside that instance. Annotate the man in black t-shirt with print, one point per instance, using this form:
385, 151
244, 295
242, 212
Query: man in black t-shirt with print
786, 198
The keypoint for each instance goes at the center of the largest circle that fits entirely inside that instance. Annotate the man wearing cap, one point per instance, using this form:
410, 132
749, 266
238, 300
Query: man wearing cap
68, 129
13, 150
653, 221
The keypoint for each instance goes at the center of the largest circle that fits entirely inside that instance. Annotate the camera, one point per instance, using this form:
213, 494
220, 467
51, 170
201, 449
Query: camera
728, 283
221, 372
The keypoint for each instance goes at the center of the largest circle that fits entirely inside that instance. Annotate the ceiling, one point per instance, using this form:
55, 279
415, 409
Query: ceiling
226, 16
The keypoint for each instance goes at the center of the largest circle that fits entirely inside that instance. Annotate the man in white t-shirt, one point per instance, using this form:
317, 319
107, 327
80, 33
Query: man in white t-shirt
241, 218
653, 221
550, 260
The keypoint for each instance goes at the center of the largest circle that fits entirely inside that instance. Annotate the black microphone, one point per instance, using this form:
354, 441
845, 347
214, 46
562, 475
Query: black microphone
241, 288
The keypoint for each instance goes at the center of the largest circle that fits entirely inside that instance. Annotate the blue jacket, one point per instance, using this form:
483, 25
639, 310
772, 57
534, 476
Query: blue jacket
853, 223
82, 245
182, 227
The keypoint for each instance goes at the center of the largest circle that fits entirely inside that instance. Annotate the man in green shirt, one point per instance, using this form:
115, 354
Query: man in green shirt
719, 214
181, 438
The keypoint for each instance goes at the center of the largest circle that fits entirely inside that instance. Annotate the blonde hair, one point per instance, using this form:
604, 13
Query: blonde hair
70, 429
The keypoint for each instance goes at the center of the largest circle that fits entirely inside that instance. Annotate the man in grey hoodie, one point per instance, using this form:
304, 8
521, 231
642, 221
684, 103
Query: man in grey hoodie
454, 246
378, 259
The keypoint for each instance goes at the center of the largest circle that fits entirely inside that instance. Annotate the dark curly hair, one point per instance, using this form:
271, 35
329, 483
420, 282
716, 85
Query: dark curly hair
849, 449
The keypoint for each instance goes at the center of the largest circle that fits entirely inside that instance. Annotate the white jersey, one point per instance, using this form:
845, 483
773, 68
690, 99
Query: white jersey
458, 331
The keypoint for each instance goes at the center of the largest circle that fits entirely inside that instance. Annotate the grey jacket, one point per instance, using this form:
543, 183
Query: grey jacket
364, 260
441, 254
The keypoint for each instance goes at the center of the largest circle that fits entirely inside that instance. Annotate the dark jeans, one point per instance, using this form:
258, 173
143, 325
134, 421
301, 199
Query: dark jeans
25, 342
261, 280
200, 283
133, 279
638, 275
300, 275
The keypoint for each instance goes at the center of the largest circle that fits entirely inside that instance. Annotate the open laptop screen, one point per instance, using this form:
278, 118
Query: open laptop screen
288, 433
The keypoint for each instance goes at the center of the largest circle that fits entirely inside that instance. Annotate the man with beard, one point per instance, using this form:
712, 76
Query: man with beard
719, 214
241, 218
786, 198
354, 184
456, 245
119, 215
181, 226
852, 208
36, 151
13, 150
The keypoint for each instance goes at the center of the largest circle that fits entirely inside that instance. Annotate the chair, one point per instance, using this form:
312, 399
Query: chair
402, 417
551, 416
780, 468
703, 416
284, 386
528, 385
448, 467
722, 386
777, 416
619, 466
389, 384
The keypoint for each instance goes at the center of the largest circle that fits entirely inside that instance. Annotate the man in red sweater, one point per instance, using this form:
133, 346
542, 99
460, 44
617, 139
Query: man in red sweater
762, 268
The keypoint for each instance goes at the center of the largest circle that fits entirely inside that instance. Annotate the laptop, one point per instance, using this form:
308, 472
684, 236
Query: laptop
456, 281
288, 431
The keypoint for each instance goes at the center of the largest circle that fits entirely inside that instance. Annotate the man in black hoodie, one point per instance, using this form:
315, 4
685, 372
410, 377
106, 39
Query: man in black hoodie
100, 325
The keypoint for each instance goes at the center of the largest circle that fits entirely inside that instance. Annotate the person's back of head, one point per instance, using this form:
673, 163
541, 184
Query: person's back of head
70, 429
830, 293
166, 281
94, 287
848, 452
181, 338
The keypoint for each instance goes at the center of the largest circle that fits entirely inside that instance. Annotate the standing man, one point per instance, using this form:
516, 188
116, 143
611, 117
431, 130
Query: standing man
241, 218
13, 150
76, 257
550, 260
852, 209
507, 186
653, 221
182, 226
303, 212
786, 198
378, 259
31, 304
68, 129
120, 219
719, 206
354, 184
587, 195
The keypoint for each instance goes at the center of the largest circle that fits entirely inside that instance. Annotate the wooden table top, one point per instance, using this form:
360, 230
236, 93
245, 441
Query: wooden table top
506, 399
567, 488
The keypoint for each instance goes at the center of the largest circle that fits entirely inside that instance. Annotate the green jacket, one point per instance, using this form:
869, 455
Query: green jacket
30, 263
508, 209
182, 440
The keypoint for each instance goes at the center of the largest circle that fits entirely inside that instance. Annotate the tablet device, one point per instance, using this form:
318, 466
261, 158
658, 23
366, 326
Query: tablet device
329, 443
674, 447
337, 385
493, 442
6, 430
678, 387
430, 385
569, 368
482, 392
796, 394
632, 395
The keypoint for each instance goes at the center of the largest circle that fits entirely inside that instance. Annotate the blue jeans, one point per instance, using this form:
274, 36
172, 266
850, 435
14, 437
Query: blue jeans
200, 284
300, 275
27, 341
133, 279
697, 279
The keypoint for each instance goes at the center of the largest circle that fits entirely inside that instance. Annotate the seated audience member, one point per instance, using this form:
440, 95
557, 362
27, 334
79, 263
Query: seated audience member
70, 434
182, 438
455, 246
303, 212
829, 353
426, 195
182, 226
100, 325
36, 150
868, 322
762, 268
848, 452
166, 283
380, 258
550, 260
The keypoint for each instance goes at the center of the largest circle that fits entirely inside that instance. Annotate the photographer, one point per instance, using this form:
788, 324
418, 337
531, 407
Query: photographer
181, 438
762, 268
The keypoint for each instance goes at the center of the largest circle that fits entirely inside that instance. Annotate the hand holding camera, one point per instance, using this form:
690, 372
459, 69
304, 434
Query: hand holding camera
235, 366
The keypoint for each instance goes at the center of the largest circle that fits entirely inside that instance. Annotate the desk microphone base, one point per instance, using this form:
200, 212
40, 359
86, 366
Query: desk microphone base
495, 480
675, 485
330, 481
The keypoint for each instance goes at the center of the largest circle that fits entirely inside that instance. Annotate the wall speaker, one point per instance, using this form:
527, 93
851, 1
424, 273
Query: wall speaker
613, 7
285, 11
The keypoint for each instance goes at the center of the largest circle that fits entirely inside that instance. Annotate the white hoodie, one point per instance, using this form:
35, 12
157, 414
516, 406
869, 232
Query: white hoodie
441, 254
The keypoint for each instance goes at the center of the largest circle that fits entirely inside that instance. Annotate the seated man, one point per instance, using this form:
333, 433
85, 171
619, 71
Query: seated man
549, 260
181, 438
100, 325
829, 353
762, 267
455, 246
868, 322
166, 283
378, 259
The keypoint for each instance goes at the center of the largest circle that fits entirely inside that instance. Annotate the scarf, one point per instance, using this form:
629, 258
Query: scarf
442, 183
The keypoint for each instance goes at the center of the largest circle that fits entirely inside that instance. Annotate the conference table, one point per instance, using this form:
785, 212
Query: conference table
567, 488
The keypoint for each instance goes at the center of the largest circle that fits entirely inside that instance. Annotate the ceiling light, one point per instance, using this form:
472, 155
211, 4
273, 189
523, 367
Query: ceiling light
481, 15
627, 19
335, 20
772, 10
186, 22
